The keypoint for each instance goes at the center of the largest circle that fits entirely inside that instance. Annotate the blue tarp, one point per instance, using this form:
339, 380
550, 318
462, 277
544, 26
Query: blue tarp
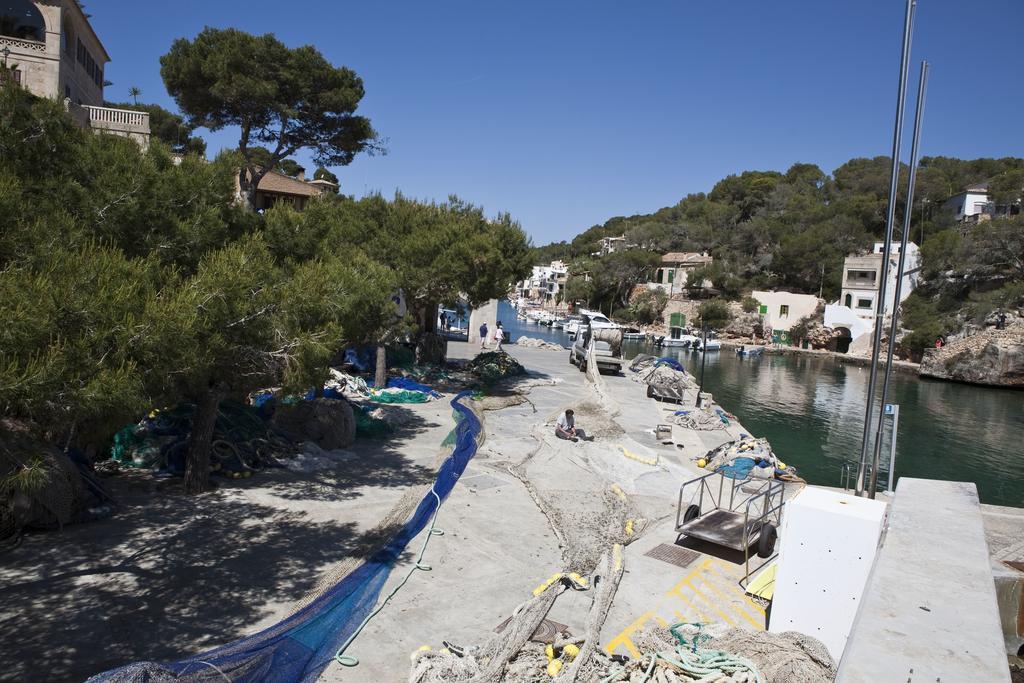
299, 647
671, 362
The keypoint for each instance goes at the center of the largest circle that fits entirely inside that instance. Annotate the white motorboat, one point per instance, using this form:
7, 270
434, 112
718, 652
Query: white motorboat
685, 341
633, 334
710, 345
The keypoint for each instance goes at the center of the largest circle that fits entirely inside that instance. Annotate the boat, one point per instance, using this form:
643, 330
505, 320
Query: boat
749, 351
559, 323
678, 337
633, 334
709, 345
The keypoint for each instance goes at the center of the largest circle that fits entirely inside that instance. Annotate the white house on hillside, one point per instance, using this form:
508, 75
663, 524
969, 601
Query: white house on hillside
545, 283
969, 205
862, 277
674, 274
781, 310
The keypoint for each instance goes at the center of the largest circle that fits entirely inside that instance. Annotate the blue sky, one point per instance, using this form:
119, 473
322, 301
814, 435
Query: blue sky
568, 113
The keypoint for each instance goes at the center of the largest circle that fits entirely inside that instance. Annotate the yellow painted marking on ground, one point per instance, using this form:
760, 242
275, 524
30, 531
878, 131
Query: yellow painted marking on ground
755, 619
708, 592
617, 556
726, 603
617, 490
625, 638
725, 617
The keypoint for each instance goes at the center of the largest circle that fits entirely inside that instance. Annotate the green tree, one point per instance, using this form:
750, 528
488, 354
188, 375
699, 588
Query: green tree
714, 314
135, 92
648, 306
168, 127
324, 174
289, 99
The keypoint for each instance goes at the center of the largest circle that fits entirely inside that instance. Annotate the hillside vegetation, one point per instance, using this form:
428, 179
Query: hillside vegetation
792, 231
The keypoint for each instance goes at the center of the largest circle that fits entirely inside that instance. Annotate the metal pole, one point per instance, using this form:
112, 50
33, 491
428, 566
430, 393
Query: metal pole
897, 137
703, 356
894, 322
892, 448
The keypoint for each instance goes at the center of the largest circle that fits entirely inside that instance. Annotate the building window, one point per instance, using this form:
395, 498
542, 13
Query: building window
22, 19
849, 300
67, 38
671, 275
864, 303
783, 311
660, 277
10, 75
863, 276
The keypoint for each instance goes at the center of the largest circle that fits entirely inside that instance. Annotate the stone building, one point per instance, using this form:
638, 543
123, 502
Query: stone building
49, 48
276, 188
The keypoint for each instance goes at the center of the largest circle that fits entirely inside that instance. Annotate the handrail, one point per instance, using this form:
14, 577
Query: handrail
126, 117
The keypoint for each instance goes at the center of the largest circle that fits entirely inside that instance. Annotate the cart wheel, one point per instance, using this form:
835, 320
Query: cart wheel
650, 391
583, 365
692, 513
766, 542
571, 361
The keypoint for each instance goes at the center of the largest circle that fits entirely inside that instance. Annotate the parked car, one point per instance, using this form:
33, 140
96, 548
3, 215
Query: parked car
601, 336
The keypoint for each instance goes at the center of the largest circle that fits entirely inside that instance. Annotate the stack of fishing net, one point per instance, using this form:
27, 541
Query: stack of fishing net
685, 653
42, 488
700, 419
495, 366
244, 441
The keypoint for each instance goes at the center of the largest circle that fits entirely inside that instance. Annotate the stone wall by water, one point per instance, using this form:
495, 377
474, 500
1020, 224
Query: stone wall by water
991, 357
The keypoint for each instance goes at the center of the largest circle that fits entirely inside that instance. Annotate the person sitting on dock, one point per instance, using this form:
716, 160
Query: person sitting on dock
565, 427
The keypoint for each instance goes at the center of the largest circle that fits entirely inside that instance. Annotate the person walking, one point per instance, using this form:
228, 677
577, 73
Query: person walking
483, 336
499, 336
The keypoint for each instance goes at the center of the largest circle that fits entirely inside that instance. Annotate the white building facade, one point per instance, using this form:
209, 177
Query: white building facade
545, 284
862, 277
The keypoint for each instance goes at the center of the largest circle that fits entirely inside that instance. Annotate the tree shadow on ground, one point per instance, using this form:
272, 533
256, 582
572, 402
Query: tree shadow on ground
383, 463
171, 575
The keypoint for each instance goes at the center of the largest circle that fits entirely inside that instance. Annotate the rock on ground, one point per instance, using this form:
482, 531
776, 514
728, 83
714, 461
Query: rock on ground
328, 423
992, 357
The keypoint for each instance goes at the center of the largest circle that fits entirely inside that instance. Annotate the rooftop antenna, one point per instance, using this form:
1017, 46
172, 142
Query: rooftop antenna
897, 139
922, 85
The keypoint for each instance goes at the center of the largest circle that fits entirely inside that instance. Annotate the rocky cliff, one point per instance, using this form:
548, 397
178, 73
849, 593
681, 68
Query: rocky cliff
993, 357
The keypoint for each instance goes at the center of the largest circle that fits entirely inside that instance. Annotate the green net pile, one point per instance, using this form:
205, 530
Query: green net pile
494, 366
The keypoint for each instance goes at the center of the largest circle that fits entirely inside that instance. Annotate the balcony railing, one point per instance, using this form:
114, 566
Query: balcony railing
116, 118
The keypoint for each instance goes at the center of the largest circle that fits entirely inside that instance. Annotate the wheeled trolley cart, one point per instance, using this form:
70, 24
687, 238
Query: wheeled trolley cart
733, 513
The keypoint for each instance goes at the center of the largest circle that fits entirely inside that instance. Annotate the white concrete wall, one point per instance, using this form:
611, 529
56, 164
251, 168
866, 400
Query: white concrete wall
800, 306
478, 316
841, 316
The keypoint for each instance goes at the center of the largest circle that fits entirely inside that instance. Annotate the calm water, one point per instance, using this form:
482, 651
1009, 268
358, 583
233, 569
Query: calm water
812, 411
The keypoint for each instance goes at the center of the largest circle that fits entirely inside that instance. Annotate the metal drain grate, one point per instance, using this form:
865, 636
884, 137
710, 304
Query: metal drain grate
673, 554
545, 633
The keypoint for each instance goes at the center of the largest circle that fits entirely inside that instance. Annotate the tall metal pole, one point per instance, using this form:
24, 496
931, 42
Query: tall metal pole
894, 324
703, 357
897, 138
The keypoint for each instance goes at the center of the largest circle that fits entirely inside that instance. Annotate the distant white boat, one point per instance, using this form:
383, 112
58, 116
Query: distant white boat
711, 345
633, 333
683, 340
